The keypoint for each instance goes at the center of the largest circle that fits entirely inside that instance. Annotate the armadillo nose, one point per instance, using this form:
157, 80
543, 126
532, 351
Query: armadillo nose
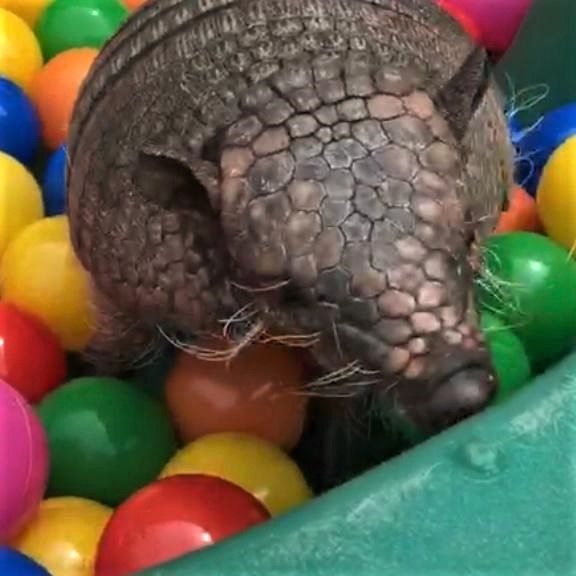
458, 397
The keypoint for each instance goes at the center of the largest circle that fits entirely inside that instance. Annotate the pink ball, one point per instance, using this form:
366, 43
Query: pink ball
23, 461
497, 21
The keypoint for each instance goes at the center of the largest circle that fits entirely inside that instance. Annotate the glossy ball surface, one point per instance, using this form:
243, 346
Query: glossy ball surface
556, 195
20, 200
20, 55
497, 21
528, 282
28, 10
63, 535
19, 123
134, 4
257, 466
508, 357
540, 141
41, 275
23, 461
54, 91
107, 439
67, 24
172, 517
14, 563
54, 183
31, 358
257, 392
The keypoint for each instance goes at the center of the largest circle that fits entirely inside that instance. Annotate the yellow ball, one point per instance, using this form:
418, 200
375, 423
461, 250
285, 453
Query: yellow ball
63, 536
556, 196
20, 199
20, 54
28, 10
41, 274
256, 465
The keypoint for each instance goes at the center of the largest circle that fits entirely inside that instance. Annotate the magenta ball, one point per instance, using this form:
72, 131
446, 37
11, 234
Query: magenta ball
23, 461
498, 21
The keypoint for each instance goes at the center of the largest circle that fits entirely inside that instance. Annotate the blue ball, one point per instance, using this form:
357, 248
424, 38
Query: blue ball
539, 142
19, 124
54, 183
13, 563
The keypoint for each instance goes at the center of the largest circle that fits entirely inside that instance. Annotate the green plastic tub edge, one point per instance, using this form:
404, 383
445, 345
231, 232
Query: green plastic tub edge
495, 496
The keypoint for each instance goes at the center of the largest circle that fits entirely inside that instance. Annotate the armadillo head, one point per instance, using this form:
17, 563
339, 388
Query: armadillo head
323, 168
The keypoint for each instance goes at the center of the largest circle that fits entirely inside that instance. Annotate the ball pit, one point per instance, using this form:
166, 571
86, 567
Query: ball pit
103, 428
24, 461
171, 517
46, 293
67, 24
20, 55
63, 535
19, 123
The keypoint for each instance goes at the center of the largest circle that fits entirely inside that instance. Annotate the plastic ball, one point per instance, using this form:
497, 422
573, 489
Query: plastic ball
55, 89
24, 461
20, 200
540, 141
63, 535
28, 10
54, 183
528, 282
22, 337
173, 517
14, 563
256, 393
556, 196
107, 439
256, 465
134, 4
67, 24
521, 213
497, 21
20, 56
19, 124
508, 356
41, 275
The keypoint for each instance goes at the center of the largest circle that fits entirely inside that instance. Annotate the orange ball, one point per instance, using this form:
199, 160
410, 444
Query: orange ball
55, 89
255, 393
134, 4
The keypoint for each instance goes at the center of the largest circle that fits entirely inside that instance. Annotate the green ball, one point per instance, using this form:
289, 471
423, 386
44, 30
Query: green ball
67, 24
529, 282
106, 438
508, 356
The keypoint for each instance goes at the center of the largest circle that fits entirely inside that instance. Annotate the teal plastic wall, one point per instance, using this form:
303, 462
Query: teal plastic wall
494, 496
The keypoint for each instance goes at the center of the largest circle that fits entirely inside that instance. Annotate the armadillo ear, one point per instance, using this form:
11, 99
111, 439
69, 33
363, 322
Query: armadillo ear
464, 92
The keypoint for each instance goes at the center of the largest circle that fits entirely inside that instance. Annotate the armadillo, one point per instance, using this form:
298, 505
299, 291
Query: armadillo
317, 172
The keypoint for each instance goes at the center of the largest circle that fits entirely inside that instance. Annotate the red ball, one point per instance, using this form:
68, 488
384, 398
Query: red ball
172, 517
31, 358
